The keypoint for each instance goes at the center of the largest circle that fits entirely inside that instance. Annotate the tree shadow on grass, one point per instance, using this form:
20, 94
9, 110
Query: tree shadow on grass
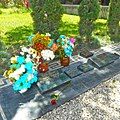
68, 29
18, 35
100, 29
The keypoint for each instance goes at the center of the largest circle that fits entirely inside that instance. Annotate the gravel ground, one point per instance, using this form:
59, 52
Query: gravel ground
99, 103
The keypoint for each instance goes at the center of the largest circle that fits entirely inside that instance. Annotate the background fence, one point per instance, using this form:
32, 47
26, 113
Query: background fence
73, 9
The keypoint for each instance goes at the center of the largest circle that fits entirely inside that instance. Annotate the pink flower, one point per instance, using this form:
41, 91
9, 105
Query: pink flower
72, 40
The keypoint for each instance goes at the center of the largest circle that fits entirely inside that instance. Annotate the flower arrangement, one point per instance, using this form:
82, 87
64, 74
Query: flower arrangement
33, 60
46, 47
23, 72
67, 44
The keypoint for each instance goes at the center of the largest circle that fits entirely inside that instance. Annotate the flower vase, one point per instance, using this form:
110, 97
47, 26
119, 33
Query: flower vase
43, 67
65, 61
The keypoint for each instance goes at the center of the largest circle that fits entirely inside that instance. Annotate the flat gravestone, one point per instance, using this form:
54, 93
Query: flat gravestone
73, 72
54, 66
3, 82
52, 80
103, 59
85, 67
86, 53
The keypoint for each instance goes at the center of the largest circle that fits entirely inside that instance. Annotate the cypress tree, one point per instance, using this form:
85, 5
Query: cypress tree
47, 16
88, 12
113, 20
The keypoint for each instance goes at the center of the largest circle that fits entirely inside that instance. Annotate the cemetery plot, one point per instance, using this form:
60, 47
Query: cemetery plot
85, 67
118, 50
54, 79
103, 59
74, 59
86, 53
73, 72
54, 65
3, 82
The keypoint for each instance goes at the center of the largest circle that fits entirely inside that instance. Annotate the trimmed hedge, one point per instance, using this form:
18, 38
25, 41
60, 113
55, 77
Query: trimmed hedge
88, 12
113, 20
47, 16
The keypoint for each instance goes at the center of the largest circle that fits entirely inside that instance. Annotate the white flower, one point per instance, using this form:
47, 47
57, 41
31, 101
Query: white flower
27, 59
13, 59
45, 14
48, 34
34, 55
30, 76
22, 53
20, 70
15, 76
28, 55
47, 54
24, 49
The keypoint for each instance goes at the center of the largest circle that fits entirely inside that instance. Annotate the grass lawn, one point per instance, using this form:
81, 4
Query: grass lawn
15, 27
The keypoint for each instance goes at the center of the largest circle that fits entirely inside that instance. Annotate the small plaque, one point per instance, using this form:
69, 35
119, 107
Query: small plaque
103, 59
54, 65
3, 81
56, 79
73, 72
85, 67
86, 53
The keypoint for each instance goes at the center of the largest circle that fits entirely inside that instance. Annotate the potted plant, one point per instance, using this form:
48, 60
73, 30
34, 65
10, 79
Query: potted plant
66, 46
47, 55
45, 47
64, 60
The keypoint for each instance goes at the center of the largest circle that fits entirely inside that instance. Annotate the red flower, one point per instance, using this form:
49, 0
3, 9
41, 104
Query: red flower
39, 46
53, 102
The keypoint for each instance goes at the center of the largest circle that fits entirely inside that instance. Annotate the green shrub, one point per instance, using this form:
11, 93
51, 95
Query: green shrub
1, 12
88, 12
47, 16
113, 20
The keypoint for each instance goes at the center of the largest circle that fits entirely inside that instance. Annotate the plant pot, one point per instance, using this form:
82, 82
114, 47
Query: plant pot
65, 61
43, 67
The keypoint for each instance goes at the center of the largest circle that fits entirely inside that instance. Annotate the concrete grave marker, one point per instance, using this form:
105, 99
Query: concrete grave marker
103, 59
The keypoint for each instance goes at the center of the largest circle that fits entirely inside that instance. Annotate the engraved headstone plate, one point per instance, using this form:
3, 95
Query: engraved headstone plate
85, 67
74, 59
56, 79
54, 66
103, 59
73, 72
86, 53
3, 81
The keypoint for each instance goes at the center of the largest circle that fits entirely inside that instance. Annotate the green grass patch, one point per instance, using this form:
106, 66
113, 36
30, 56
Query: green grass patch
17, 26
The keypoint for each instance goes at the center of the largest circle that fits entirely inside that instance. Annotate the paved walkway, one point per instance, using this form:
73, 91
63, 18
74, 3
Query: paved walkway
35, 105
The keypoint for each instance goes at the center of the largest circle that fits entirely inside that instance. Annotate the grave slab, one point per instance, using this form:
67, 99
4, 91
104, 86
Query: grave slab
103, 59
85, 67
54, 79
11, 101
73, 72
85, 53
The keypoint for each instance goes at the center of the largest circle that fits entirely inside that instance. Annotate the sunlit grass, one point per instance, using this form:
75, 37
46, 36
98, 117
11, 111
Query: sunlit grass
17, 26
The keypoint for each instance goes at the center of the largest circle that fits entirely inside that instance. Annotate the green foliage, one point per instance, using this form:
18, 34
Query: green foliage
11, 3
88, 12
47, 16
113, 20
0, 11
